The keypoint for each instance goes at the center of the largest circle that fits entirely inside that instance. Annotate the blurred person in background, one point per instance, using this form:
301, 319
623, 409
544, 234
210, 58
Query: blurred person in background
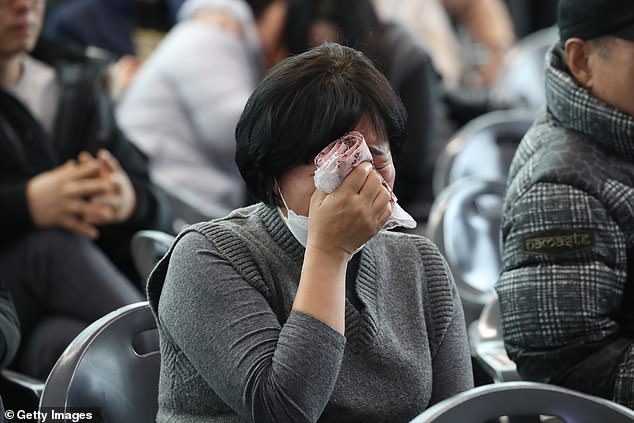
120, 27
400, 56
468, 64
73, 189
182, 107
124, 32
487, 22
532, 15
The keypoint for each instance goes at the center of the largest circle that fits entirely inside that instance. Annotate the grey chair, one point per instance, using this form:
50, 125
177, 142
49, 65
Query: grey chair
112, 368
487, 344
520, 83
483, 148
464, 222
489, 402
147, 248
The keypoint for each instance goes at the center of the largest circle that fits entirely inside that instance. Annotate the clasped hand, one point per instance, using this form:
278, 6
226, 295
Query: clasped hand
82, 194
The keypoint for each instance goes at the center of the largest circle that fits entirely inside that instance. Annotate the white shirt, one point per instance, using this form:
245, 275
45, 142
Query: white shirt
39, 91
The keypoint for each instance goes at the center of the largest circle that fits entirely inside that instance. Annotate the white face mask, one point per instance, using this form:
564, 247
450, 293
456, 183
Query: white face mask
298, 225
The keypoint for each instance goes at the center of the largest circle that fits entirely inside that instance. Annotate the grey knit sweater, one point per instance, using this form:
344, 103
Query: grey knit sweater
233, 350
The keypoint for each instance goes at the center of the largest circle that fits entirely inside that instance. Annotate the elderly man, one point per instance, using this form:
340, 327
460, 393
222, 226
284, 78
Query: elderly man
567, 286
73, 190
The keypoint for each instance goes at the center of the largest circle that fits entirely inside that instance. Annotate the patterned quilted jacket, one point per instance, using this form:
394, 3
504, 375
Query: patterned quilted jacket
566, 289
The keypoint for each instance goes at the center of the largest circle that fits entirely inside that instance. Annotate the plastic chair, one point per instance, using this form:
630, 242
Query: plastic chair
464, 223
148, 247
19, 391
112, 368
484, 147
524, 398
521, 81
487, 344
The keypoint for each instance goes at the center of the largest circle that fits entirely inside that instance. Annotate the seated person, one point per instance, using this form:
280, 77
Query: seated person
73, 189
120, 27
488, 23
268, 314
468, 66
568, 231
407, 67
182, 108
125, 31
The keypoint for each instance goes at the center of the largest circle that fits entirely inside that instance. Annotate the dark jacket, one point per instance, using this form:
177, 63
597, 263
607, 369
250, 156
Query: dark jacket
566, 290
410, 72
107, 24
9, 328
84, 121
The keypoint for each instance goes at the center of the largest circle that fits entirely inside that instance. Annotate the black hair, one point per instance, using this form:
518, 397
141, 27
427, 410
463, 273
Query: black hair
304, 103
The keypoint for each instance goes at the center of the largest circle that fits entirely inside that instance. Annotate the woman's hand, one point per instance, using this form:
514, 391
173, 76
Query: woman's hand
121, 198
338, 224
342, 221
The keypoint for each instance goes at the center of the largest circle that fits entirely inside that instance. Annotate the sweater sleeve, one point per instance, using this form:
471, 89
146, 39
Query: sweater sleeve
562, 292
264, 370
451, 358
452, 369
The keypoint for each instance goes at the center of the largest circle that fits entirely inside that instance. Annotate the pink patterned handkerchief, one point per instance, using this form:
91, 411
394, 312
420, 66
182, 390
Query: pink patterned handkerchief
338, 159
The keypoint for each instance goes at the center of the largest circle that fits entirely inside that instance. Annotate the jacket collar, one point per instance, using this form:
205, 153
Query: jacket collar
575, 108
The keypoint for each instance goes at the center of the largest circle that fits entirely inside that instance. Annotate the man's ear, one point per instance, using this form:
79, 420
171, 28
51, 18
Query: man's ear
577, 54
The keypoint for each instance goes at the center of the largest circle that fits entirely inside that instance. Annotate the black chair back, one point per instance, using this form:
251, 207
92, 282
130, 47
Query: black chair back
488, 402
148, 247
112, 367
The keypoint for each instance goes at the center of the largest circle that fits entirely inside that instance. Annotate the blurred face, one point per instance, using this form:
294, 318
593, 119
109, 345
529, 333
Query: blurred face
297, 184
321, 32
20, 24
271, 31
612, 74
